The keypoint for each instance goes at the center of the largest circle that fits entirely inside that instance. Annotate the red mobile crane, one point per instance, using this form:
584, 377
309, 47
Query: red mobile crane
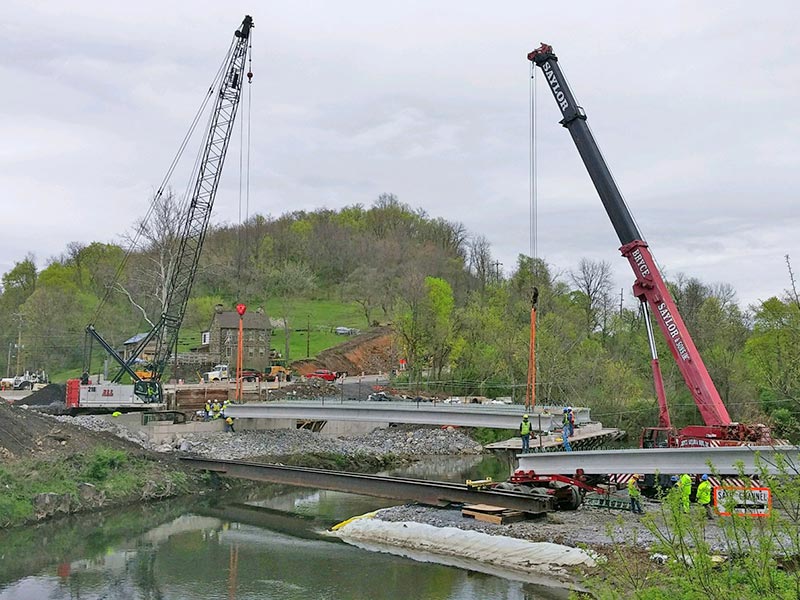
651, 290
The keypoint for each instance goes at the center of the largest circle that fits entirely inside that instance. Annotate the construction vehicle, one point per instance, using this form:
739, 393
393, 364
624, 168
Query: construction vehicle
277, 373
217, 373
30, 380
651, 291
148, 393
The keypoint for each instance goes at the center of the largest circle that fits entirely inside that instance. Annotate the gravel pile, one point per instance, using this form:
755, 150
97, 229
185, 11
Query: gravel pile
95, 423
591, 526
281, 442
402, 441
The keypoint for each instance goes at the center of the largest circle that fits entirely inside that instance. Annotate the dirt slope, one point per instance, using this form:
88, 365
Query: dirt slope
369, 352
25, 433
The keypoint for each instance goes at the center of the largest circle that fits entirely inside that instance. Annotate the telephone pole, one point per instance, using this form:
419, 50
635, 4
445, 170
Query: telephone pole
308, 336
19, 342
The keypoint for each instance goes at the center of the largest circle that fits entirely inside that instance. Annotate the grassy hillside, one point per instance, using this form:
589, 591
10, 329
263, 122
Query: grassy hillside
322, 316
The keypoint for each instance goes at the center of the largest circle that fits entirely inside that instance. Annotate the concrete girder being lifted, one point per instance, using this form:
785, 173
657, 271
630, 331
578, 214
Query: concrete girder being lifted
724, 461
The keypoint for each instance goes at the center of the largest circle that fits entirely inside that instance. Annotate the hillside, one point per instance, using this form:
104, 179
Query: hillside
454, 317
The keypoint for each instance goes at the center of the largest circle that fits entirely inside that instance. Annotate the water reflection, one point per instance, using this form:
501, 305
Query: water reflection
227, 549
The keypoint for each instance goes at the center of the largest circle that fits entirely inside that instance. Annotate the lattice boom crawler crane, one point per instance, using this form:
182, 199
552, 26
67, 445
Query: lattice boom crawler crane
148, 392
651, 290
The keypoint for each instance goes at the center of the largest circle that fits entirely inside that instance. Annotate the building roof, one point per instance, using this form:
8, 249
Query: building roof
252, 320
135, 339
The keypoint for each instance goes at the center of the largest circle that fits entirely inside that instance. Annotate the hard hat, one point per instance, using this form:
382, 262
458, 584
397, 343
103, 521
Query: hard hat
635, 476
524, 416
566, 409
674, 478
569, 408
704, 477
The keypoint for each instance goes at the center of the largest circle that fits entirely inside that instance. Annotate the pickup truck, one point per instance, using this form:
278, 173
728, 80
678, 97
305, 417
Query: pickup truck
322, 374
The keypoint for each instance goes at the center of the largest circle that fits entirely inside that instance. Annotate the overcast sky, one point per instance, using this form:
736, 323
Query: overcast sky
695, 105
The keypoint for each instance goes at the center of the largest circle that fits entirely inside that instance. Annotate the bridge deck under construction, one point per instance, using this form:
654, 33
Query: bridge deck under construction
436, 493
465, 415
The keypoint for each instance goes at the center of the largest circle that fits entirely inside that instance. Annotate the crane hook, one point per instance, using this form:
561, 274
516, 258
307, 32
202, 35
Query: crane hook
249, 77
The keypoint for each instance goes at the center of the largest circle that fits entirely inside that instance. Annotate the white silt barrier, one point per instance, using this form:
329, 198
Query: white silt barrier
419, 541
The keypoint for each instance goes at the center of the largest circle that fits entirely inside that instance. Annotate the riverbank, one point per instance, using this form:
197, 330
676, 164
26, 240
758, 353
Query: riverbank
53, 466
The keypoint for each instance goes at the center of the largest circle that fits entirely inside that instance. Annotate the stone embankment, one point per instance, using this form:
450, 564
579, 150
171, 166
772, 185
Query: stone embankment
399, 441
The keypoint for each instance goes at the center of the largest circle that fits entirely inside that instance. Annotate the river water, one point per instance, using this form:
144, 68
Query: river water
262, 543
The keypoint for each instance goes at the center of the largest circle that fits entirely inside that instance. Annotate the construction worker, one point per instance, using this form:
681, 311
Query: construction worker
635, 494
568, 421
565, 438
525, 434
704, 495
685, 487
207, 411
229, 424
216, 409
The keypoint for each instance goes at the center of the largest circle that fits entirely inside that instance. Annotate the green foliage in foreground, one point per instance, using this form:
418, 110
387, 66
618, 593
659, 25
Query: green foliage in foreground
118, 474
755, 559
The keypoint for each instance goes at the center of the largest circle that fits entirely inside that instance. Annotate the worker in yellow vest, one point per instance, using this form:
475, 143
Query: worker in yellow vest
704, 496
216, 409
685, 487
525, 434
635, 495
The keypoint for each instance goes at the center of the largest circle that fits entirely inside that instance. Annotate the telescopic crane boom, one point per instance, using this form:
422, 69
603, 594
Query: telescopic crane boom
649, 286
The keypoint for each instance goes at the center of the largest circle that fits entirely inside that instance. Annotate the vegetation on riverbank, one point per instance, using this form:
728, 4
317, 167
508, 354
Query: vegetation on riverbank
36, 488
755, 558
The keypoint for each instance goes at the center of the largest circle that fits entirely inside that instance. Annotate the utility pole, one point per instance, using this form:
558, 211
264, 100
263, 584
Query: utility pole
19, 342
497, 264
308, 336
8, 362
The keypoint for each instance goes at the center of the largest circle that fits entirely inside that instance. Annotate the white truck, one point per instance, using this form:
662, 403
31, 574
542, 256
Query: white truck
218, 373
35, 380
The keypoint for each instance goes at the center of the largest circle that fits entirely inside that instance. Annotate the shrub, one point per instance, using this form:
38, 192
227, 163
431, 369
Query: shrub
103, 461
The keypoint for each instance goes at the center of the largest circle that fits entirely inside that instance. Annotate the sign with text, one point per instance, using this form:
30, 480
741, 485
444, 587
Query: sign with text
742, 501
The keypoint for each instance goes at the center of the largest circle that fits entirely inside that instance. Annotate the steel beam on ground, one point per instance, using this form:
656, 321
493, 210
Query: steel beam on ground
436, 493
725, 461
469, 415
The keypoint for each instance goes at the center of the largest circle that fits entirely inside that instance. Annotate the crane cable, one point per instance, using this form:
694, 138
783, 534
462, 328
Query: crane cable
244, 173
530, 388
157, 196
533, 165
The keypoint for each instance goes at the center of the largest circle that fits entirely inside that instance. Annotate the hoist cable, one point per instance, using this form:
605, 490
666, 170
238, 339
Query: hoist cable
532, 168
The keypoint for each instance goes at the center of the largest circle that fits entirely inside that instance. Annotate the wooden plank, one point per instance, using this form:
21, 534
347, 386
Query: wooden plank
484, 508
509, 516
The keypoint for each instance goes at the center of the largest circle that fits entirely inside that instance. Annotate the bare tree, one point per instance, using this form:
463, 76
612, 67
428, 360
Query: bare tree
480, 259
593, 281
158, 237
291, 280
793, 291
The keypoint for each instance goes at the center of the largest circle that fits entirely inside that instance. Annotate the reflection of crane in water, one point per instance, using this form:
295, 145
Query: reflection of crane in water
233, 571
